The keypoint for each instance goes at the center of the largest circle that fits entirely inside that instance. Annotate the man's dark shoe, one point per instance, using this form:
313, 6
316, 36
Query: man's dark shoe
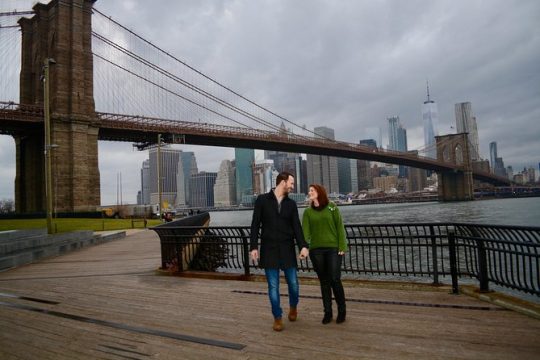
278, 324
340, 317
293, 314
327, 318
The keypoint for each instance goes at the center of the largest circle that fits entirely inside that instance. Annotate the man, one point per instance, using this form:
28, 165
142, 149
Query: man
278, 216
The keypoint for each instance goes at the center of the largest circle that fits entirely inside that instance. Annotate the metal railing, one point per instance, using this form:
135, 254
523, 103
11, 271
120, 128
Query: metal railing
508, 256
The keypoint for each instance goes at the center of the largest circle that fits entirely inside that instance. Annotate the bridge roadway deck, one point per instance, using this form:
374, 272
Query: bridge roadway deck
107, 302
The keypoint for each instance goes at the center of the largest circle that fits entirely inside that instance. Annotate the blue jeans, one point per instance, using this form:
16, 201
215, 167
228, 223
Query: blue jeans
272, 278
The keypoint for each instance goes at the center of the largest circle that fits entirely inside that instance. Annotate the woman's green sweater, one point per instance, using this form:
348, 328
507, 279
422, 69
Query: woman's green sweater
324, 228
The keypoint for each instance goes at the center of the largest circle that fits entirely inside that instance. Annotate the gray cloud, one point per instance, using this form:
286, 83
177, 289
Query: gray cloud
349, 65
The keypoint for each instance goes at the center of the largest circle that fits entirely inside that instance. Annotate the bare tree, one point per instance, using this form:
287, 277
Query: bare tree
7, 206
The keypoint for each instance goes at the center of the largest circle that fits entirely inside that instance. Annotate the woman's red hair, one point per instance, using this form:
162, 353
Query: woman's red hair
322, 197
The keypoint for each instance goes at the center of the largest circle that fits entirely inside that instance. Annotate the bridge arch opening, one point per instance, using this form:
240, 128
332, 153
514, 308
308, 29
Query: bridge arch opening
458, 154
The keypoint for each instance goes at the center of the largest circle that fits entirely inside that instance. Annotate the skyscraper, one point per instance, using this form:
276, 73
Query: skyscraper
187, 167
466, 122
348, 175
365, 180
202, 189
145, 183
492, 155
168, 173
430, 115
323, 169
244, 159
225, 186
397, 139
397, 134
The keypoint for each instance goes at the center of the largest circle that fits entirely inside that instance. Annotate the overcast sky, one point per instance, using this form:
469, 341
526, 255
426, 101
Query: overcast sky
347, 65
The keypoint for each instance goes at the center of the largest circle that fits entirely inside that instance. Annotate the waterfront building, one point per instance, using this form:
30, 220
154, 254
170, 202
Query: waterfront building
531, 175
262, 176
510, 172
365, 180
290, 162
385, 183
244, 159
187, 167
397, 139
168, 172
348, 175
430, 116
466, 123
417, 178
323, 169
202, 189
499, 167
225, 186
145, 183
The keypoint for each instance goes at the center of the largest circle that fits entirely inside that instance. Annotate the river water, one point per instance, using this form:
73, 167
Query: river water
519, 211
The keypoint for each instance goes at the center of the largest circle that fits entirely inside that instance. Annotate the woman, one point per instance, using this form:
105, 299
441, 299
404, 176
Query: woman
324, 231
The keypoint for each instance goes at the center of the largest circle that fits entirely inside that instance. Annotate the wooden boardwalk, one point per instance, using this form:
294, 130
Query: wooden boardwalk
107, 302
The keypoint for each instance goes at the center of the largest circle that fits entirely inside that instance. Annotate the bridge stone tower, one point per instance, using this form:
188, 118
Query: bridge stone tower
455, 185
60, 30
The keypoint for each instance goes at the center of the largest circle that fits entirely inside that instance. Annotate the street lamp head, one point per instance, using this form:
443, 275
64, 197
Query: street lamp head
51, 61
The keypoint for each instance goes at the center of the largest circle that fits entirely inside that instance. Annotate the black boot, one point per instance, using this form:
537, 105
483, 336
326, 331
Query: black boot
341, 317
327, 318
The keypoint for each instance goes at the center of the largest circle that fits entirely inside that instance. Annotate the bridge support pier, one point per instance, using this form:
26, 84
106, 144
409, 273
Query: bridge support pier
60, 30
455, 185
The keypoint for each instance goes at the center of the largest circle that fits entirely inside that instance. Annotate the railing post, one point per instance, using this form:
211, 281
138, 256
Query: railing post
482, 261
482, 266
245, 245
453, 261
434, 255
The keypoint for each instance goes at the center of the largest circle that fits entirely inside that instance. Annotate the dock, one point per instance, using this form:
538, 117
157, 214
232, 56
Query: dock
109, 302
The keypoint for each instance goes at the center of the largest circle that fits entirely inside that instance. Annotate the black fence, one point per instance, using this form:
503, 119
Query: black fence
504, 255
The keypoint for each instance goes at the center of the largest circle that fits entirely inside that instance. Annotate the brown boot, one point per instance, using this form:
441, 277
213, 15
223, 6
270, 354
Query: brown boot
278, 324
293, 314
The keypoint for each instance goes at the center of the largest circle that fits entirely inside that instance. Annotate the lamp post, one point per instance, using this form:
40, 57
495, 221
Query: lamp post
159, 177
48, 145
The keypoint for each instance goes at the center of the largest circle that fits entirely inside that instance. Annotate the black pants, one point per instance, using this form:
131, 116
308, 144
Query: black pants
327, 264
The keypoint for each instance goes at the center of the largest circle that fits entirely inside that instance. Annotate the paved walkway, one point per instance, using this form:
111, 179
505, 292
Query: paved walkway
106, 302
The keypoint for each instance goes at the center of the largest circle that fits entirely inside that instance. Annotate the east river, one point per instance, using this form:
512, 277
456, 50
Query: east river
519, 211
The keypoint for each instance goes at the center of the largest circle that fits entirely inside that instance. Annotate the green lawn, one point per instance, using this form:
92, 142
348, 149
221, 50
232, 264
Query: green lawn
65, 225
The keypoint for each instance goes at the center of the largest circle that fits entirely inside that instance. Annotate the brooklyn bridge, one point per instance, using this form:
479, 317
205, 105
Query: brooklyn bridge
72, 57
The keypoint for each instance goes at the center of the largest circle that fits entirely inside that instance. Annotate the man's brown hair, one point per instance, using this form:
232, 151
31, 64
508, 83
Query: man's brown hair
284, 175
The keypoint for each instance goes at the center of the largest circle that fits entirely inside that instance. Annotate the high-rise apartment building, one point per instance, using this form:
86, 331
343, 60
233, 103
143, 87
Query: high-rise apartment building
365, 180
225, 186
262, 176
348, 175
187, 167
290, 162
323, 169
168, 171
244, 160
145, 183
202, 189
430, 116
466, 122
417, 178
